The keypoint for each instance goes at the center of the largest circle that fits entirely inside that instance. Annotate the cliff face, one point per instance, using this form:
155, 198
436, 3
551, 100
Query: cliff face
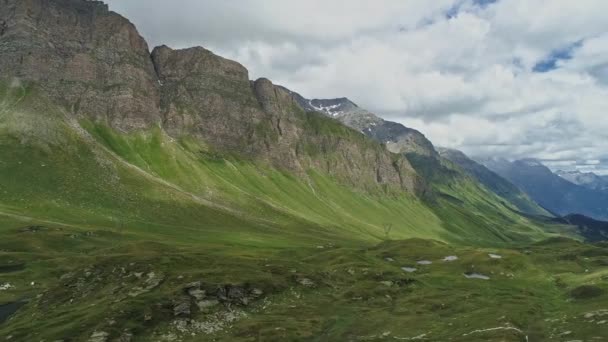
88, 59
210, 97
93, 63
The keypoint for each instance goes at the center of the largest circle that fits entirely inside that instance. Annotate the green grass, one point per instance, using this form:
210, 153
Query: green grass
80, 202
80, 288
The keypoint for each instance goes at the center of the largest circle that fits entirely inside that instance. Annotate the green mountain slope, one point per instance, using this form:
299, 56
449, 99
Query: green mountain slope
494, 182
51, 169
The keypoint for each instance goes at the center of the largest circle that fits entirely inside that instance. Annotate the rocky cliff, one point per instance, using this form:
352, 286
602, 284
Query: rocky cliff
87, 58
93, 63
210, 97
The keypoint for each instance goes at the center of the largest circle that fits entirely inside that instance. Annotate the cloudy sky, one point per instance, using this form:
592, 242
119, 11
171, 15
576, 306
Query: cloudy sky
509, 78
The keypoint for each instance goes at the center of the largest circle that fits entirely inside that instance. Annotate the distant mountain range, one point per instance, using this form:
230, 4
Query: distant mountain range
551, 191
587, 179
493, 182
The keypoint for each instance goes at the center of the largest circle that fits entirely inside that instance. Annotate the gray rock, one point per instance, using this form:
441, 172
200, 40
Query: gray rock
182, 307
256, 293
197, 294
99, 336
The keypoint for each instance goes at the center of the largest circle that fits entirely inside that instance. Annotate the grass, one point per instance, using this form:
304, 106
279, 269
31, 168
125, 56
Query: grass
77, 290
90, 213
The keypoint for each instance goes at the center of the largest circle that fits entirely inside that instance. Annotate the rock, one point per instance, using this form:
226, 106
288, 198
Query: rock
99, 336
197, 294
232, 294
182, 307
495, 256
387, 283
306, 282
236, 293
193, 285
194, 290
6, 286
125, 337
424, 262
152, 281
256, 293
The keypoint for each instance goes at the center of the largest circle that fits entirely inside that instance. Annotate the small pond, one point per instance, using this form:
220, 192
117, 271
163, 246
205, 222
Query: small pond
8, 309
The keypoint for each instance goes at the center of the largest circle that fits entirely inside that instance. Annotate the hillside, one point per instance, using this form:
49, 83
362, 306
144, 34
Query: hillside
494, 182
165, 196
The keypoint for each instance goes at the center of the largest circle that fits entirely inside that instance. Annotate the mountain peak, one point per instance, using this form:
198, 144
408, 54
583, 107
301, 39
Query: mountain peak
589, 180
532, 162
396, 137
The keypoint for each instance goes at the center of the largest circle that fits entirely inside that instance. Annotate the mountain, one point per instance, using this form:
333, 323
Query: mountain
587, 179
165, 196
550, 190
396, 137
494, 182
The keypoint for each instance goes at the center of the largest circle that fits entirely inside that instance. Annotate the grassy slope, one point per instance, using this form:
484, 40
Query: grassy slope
147, 203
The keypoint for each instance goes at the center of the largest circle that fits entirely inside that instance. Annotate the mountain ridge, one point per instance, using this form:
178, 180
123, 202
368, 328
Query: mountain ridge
550, 190
587, 179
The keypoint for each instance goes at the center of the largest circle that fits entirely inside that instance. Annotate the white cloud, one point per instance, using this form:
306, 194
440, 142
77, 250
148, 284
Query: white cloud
467, 81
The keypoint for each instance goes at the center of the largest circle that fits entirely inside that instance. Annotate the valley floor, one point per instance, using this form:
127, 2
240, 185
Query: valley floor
59, 282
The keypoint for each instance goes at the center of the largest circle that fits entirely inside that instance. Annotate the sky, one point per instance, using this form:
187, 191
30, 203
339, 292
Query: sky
499, 78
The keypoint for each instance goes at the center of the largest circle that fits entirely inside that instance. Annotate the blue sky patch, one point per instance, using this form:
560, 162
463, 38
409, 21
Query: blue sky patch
454, 10
561, 54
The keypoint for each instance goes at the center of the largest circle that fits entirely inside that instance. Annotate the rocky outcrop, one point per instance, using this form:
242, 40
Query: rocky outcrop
210, 97
85, 57
207, 96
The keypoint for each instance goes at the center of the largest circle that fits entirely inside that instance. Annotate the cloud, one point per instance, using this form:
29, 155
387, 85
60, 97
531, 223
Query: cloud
512, 78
